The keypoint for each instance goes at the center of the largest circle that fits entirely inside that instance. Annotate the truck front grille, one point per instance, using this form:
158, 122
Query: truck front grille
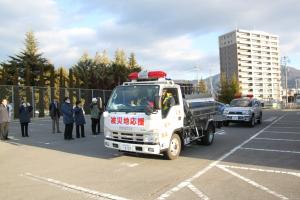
128, 136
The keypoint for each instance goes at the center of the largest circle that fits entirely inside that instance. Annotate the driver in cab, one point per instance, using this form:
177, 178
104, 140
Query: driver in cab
167, 102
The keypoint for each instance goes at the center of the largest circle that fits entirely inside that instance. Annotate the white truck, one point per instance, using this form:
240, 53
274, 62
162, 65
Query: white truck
134, 120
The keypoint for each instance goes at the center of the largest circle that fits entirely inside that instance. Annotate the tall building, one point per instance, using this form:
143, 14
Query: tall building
253, 57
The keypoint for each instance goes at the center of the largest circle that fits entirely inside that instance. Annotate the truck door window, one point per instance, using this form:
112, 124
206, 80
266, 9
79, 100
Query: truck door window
169, 99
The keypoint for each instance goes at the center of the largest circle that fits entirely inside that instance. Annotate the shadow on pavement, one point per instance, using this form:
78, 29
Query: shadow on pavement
235, 134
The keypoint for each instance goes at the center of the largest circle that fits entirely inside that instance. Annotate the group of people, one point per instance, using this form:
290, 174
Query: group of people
75, 115
25, 110
71, 114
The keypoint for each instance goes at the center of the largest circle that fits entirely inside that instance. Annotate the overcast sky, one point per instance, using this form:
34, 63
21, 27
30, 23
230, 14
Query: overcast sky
174, 35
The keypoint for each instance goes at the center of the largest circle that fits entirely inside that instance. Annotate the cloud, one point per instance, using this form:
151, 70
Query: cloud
161, 33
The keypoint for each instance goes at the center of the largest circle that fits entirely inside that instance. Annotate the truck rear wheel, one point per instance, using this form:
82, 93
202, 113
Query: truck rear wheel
174, 148
209, 135
226, 123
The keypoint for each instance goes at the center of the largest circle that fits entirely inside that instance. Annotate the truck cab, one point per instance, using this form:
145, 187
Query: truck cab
136, 120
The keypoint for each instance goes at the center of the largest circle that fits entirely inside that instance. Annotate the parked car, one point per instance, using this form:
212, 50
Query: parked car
243, 110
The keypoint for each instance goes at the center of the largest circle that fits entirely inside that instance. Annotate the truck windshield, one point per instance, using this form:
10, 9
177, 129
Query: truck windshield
133, 98
240, 103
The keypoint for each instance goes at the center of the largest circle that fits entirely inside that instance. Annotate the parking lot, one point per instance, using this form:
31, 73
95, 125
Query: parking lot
243, 163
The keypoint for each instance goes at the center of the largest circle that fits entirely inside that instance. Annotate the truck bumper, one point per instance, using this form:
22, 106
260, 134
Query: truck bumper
138, 148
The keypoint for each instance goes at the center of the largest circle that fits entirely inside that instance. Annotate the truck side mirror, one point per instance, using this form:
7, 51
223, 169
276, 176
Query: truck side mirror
157, 104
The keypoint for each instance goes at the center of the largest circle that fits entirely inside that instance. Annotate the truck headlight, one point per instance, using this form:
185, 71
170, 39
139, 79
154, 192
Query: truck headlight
108, 134
151, 138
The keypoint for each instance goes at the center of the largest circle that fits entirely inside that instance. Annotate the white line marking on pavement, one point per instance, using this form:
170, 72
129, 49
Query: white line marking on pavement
66, 186
14, 143
271, 150
277, 139
287, 123
285, 127
220, 132
13, 138
270, 119
253, 183
200, 194
211, 165
261, 170
129, 164
282, 132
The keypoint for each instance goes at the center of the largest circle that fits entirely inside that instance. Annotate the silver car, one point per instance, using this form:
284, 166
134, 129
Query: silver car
243, 110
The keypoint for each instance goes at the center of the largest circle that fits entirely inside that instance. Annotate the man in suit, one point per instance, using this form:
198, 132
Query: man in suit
55, 115
4, 119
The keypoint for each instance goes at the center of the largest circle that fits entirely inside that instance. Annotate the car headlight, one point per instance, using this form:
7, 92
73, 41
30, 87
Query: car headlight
225, 112
246, 112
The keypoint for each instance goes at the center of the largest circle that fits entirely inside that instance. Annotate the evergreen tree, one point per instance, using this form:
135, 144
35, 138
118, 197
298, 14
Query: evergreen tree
71, 85
202, 86
229, 89
235, 86
102, 65
63, 74
52, 83
85, 72
132, 63
120, 57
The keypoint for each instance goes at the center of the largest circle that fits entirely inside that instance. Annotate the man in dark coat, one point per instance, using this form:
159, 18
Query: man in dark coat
55, 115
79, 119
4, 119
25, 110
68, 119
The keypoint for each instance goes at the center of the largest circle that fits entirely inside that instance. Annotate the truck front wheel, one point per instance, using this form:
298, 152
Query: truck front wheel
174, 148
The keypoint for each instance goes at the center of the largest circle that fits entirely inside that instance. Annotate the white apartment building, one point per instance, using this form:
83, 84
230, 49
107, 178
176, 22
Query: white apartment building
254, 58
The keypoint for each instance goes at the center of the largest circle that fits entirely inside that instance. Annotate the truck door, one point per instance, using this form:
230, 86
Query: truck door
173, 111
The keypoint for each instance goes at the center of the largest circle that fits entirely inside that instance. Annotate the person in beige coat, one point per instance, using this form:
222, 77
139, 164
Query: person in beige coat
4, 120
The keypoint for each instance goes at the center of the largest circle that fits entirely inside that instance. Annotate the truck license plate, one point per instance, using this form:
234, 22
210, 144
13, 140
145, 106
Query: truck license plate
235, 118
125, 147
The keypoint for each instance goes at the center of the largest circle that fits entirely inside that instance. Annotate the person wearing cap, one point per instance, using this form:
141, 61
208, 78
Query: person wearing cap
95, 111
25, 110
68, 119
79, 119
4, 119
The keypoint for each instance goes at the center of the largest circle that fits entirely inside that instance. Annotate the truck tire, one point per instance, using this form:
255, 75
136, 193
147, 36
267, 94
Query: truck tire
226, 123
209, 135
252, 122
259, 121
174, 148
219, 124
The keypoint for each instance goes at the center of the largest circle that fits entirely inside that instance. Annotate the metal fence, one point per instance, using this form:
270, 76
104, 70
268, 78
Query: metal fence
41, 97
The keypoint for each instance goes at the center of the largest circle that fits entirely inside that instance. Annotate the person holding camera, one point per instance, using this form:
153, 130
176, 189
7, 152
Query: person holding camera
25, 110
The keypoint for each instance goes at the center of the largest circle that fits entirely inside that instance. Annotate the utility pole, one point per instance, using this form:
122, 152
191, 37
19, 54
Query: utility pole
197, 85
285, 60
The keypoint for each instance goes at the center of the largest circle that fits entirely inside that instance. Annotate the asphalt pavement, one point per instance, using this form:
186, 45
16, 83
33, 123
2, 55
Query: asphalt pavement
243, 163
